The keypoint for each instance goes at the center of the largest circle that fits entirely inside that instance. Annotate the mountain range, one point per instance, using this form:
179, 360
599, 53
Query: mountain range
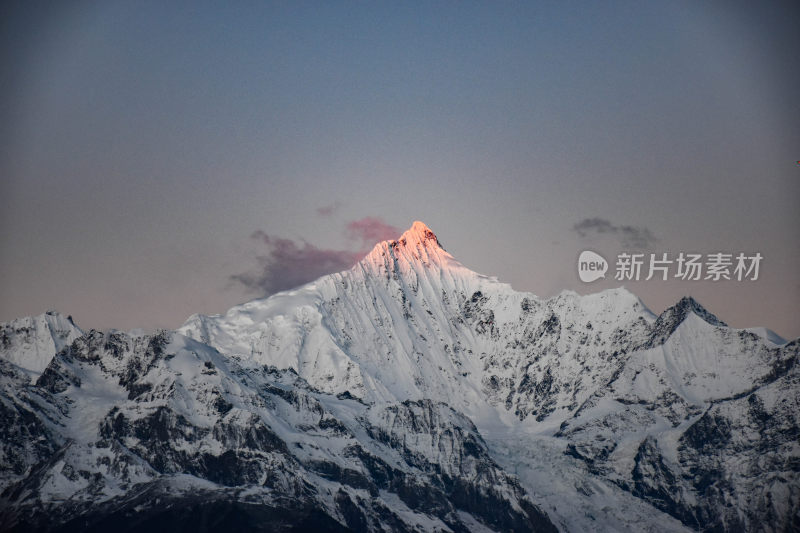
408, 393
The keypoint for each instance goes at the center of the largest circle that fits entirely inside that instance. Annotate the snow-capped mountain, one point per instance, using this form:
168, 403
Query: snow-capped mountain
407, 393
409, 321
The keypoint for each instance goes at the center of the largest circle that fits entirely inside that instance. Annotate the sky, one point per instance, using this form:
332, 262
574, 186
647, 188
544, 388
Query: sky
159, 159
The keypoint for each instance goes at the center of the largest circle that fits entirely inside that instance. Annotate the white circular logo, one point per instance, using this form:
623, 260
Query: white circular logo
591, 266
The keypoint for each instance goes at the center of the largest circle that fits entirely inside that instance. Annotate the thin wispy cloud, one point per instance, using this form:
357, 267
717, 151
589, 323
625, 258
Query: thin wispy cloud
286, 263
329, 210
629, 236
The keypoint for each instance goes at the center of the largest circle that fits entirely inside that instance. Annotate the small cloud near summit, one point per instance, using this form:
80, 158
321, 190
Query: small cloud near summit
370, 230
629, 236
285, 263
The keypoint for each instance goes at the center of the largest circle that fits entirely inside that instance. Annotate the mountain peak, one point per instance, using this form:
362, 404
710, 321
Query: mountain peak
419, 233
688, 304
674, 316
418, 247
418, 237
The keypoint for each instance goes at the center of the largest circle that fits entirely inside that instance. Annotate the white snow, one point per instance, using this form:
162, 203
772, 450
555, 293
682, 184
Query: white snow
31, 342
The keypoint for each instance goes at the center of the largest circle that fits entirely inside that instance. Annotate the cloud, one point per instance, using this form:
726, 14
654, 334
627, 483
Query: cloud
370, 230
329, 210
629, 236
290, 263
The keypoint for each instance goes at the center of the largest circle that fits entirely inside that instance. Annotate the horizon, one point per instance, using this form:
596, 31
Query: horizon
426, 227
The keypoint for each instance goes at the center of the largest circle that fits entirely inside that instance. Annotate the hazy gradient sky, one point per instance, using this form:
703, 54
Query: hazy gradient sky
143, 143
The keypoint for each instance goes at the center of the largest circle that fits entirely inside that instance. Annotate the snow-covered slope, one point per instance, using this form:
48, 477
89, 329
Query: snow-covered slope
411, 393
31, 342
410, 322
114, 417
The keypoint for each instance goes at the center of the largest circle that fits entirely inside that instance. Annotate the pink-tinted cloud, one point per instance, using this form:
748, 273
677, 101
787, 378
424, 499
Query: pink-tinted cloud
370, 230
288, 263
